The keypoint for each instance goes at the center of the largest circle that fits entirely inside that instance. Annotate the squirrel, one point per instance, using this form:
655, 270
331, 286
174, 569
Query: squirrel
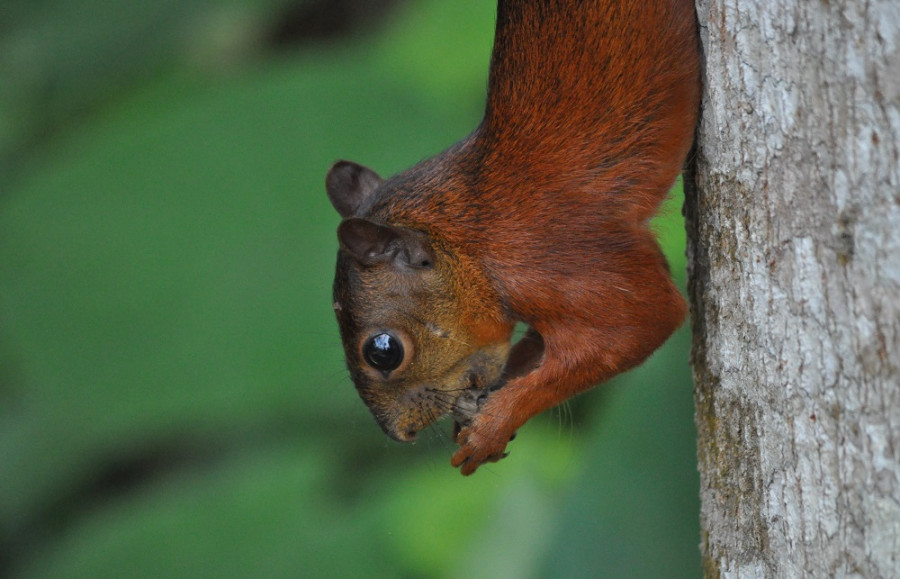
541, 215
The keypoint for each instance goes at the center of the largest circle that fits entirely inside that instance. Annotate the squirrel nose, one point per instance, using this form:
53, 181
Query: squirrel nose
402, 434
408, 435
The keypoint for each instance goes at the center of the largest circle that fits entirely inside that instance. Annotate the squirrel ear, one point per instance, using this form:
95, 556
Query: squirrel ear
349, 185
370, 243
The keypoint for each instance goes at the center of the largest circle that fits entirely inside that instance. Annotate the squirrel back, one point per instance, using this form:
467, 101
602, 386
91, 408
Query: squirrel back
540, 215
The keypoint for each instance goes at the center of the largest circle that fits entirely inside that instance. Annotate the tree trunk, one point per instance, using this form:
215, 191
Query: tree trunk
793, 214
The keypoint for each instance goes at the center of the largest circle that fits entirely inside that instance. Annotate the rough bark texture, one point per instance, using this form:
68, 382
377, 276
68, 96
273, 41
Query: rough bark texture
794, 243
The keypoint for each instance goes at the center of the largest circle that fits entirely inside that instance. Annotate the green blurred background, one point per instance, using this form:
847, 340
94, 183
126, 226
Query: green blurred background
173, 401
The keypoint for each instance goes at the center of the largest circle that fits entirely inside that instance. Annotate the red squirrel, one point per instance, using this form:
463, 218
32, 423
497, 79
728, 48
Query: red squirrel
539, 216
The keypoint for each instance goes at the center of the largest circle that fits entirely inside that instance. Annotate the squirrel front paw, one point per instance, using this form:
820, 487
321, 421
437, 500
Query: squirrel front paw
483, 440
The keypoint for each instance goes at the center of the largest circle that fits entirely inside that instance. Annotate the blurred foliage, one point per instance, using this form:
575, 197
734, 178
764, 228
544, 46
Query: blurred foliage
173, 400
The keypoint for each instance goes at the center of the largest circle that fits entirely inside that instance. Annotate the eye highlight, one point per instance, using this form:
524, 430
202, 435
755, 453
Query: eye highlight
383, 352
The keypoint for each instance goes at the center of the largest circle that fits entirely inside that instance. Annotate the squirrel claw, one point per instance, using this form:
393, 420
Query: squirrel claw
477, 449
469, 463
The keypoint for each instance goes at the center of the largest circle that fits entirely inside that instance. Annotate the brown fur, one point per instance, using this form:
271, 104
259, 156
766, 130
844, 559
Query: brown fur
541, 215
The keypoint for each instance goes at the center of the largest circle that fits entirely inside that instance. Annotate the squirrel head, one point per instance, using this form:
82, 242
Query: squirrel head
420, 323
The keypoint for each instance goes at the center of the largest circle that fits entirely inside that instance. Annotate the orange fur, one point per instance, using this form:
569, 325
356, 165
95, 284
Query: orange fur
541, 215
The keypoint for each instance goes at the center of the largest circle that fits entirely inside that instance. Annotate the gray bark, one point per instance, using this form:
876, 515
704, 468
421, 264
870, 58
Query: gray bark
794, 247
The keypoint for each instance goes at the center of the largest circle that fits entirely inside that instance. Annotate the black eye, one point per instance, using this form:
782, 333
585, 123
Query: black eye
383, 352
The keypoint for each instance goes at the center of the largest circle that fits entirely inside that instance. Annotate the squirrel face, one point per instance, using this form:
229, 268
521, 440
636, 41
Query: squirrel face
417, 336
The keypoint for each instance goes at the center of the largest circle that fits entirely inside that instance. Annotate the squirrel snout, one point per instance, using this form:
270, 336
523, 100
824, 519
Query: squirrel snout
407, 435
